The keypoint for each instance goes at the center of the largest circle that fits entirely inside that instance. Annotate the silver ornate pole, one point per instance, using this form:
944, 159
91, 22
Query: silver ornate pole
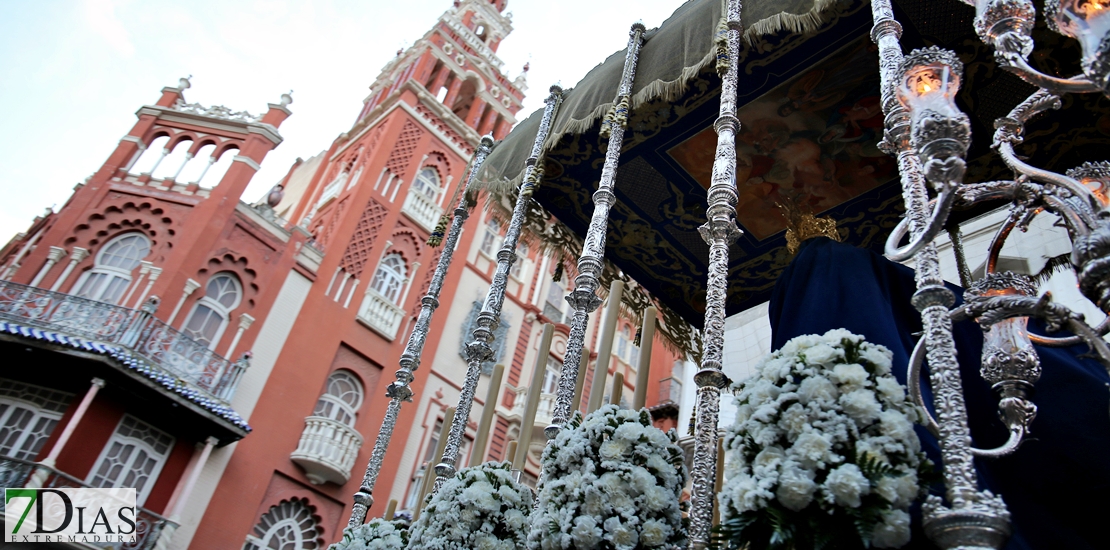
479, 351
973, 519
720, 231
584, 297
399, 391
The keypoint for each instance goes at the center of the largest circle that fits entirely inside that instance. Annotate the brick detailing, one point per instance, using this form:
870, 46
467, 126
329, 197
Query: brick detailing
498, 441
403, 149
324, 231
438, 123
358, 250
521, 351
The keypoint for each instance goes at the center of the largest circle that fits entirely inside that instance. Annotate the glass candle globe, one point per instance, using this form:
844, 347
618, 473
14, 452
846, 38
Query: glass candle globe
1096, 177
1087, 21
1008, 354
928, 87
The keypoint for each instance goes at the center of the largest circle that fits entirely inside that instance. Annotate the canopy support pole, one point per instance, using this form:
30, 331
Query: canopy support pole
399, 391
584, 298
720, 231
479, 351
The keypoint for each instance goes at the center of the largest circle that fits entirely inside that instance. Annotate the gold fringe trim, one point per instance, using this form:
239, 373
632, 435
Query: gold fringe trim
793, 22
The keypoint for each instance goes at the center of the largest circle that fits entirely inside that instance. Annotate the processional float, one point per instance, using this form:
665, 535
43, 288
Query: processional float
928, 135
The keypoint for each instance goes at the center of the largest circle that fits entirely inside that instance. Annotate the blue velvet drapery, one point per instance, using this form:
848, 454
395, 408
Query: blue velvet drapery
1057, 485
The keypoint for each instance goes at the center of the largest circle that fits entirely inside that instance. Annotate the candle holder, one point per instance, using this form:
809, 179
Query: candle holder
1096, 177
1009, 362
939, 132
1087, 21
926, 83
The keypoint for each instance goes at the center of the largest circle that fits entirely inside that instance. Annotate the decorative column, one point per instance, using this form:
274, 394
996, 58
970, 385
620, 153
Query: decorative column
190, 287
74, 258
188, 157
51, 459
176, 506
144, 268
584, 298
154, 273
180, 496
211, 161
56, 253
399, 391
245, 321
720, 230
972, 519
478, 351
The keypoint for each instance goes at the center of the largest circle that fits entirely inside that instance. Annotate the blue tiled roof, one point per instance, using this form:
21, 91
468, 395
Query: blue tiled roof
134, 363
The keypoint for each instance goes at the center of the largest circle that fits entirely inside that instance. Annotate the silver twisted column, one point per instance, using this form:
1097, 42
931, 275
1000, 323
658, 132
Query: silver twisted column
399, 391
720, 231
974, 519
479, 351
584, 298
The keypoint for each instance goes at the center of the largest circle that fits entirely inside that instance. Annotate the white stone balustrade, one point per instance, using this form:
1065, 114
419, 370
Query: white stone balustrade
327, 450
380, 314
422, 210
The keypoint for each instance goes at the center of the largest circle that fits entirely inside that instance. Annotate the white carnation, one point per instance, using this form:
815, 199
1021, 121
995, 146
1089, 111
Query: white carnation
899, 490
878, 356
620, 534
654, 533
823, 354
818, 388
893, 532
796, 488
891, 390
846, 484
851, 375
811, 449
861, 405
586, 533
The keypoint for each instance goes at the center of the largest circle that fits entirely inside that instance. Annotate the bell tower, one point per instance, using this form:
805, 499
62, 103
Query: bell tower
456, 64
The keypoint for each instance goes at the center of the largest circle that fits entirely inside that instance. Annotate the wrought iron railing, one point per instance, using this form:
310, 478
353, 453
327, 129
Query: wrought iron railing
422, 210
381, 314
327, 450
136, 330
149, 526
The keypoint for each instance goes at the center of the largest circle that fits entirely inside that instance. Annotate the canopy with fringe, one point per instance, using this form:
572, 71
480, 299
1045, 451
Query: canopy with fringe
810, 128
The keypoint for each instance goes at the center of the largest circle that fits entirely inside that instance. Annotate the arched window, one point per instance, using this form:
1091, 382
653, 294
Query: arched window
289, 525
626, 350
389, 279
491, 241
28, 415
427, 184
133, 457
517, 271
211, 313
111, 272
341, 399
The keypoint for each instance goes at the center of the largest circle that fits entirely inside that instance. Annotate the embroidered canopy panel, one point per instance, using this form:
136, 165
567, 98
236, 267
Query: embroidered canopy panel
811, 124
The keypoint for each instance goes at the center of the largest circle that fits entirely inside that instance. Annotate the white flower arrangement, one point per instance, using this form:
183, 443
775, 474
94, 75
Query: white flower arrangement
823, 448
377, 534
610, 481
481, 508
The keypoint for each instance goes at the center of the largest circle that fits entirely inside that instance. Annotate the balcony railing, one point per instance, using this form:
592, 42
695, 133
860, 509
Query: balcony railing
380, 314
136, 330
150, 528
327, 450
422, 210
545, 410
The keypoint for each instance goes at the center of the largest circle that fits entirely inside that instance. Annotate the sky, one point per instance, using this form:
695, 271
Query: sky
74, 72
